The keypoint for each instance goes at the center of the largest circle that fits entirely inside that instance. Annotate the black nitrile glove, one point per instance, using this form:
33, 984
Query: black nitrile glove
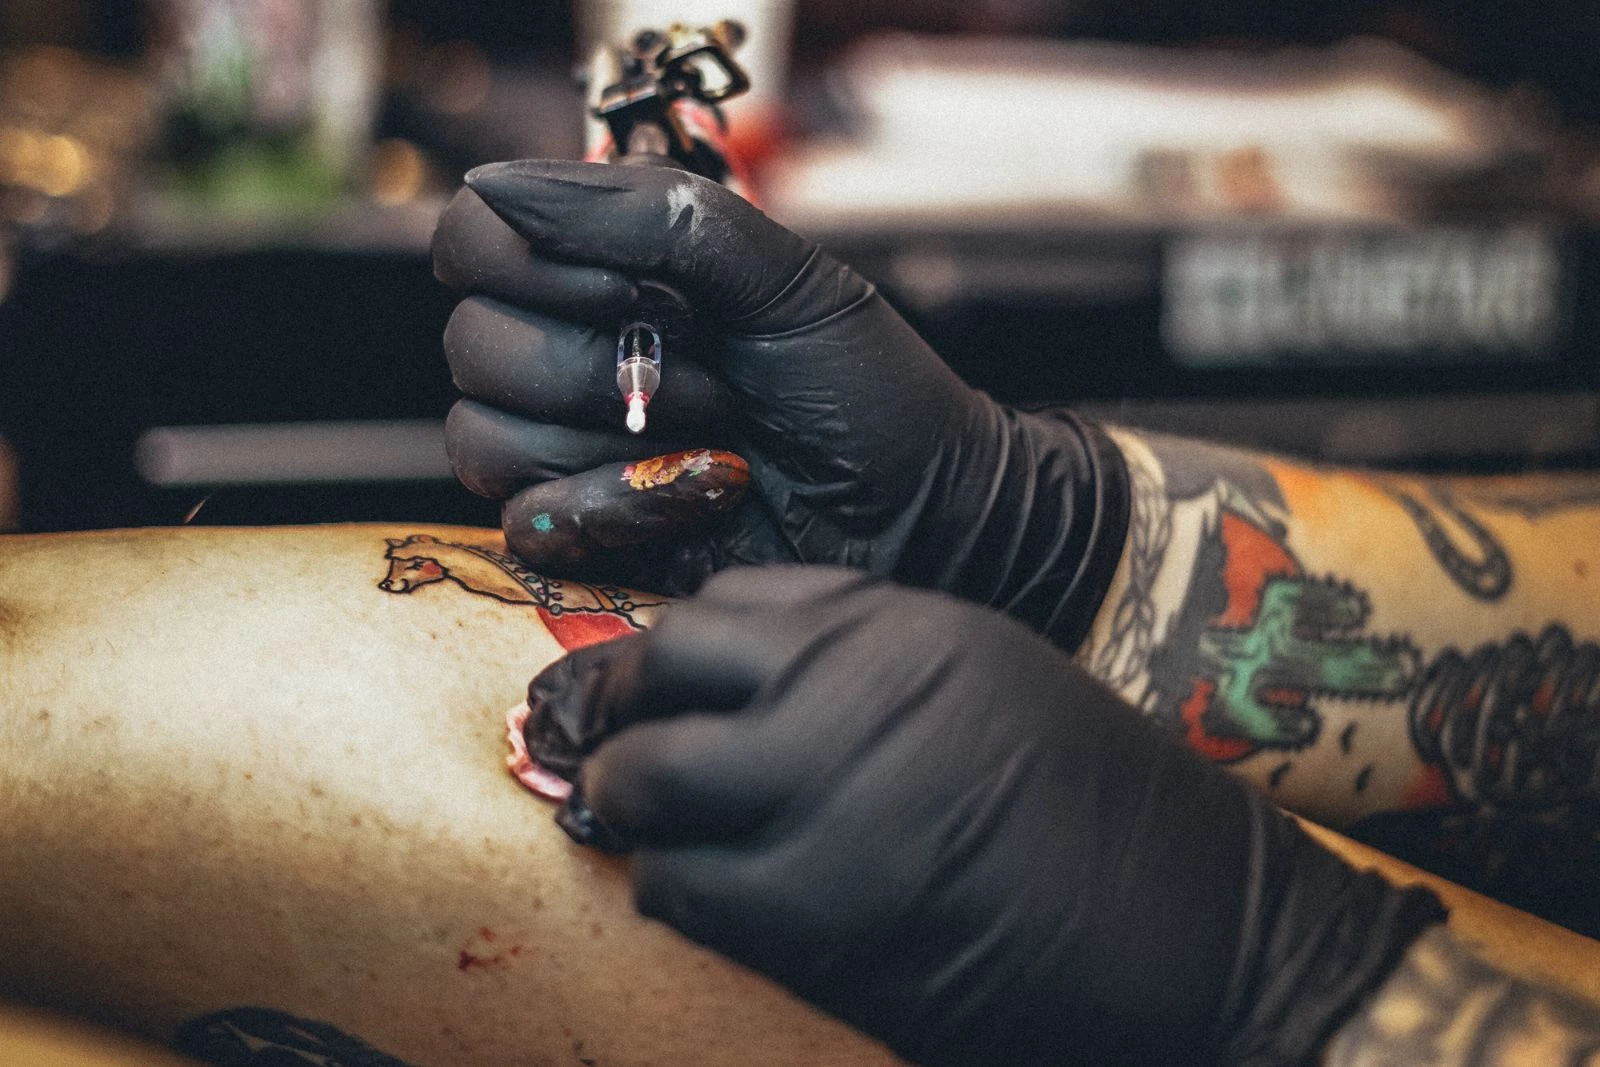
865, 449
927, 821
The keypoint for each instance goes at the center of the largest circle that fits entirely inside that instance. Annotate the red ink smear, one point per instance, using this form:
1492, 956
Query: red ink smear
1429, 789
580, 629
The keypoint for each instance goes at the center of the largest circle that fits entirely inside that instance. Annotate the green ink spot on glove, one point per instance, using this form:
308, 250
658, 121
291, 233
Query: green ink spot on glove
543, 523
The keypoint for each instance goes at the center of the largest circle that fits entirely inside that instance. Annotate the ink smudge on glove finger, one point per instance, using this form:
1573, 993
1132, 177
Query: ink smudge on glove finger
622, 504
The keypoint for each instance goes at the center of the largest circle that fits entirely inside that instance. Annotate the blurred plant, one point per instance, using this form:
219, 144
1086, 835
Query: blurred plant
268, 104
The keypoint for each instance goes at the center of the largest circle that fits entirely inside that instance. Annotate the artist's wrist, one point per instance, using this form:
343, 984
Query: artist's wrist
1029, 518
1320, 939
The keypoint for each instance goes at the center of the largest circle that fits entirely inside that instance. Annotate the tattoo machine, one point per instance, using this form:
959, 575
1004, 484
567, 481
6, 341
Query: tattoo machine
659, 97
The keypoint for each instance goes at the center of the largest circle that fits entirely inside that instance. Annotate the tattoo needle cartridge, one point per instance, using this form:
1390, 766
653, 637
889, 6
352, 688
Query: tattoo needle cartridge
638, 369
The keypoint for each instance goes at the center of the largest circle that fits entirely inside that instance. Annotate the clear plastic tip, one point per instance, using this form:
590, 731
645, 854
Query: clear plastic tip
638, 370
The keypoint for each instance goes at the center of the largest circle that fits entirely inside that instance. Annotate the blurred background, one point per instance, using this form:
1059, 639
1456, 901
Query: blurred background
1359, 231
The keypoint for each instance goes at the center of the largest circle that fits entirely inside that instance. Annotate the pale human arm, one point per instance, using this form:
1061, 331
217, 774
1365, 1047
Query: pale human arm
241, 775
238, 774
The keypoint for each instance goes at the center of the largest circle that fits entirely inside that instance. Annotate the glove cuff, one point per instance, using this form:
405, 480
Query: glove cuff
1106, 530
1318, 938
1040, 533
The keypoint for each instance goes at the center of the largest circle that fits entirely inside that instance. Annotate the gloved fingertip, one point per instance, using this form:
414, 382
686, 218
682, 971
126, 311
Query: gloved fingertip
580, 823
523, 191
581, 699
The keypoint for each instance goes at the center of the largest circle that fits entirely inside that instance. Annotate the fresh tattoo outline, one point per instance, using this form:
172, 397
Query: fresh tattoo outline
575, 613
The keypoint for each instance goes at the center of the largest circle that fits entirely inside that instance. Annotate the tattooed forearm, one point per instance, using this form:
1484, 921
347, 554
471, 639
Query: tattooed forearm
1444, 1006
1307, 625
1219, 630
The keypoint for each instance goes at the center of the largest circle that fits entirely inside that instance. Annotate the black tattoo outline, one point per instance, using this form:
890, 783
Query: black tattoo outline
1487, 578
575, 613
1536, 499
1515, 725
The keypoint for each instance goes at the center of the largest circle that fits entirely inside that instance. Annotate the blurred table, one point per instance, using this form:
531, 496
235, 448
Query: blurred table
1250, 333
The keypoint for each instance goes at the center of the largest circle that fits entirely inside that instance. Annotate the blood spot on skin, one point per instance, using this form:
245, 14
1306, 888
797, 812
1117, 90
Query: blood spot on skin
1580, 568
481, 952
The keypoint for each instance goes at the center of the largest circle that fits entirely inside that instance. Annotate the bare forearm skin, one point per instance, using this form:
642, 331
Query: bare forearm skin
234, 771
1356, 643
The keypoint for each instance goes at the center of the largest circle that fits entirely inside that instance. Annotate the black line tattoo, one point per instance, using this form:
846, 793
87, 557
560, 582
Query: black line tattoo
1515, 725
1482, 571
1533, 497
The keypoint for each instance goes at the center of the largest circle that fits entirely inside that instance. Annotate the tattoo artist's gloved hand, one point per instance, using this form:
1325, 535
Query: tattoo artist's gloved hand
929, 822
864, 448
